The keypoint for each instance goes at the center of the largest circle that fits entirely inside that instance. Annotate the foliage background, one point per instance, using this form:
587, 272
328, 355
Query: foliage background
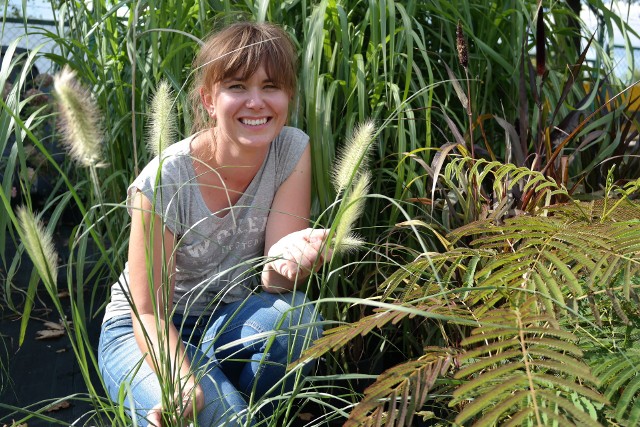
462, 153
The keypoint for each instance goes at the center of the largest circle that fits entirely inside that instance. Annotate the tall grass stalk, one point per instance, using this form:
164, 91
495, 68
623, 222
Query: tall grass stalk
38, 242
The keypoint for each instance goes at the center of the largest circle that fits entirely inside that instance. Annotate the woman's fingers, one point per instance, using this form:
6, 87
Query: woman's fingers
301, 256
183, 410
154, 416
300, 253
316, 234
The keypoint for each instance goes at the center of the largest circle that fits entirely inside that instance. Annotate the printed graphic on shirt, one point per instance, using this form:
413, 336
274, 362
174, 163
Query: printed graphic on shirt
248, 233
199, 249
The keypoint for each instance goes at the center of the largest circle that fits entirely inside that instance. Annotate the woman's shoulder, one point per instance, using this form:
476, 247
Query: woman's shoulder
287, 150
166, 173
290, 140
293, 135
177, 152
172, 158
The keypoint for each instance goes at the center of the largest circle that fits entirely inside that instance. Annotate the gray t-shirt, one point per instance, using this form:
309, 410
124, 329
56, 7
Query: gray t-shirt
215, 253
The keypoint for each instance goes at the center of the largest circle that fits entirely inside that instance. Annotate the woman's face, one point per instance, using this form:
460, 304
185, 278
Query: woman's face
249, 113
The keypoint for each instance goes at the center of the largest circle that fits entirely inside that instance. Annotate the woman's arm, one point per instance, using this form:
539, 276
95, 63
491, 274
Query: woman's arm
151, 249
295, 249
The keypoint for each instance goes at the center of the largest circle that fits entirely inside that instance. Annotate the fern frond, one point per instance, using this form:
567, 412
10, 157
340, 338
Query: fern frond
461, 171
337, 337
560, 259
619, 373
401, 390
520, 364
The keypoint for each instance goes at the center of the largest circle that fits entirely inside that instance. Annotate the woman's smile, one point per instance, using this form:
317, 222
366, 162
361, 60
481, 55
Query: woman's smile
249, 112
254, 122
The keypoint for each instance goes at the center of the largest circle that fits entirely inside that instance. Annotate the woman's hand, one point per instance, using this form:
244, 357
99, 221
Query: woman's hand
154, 416
298, 254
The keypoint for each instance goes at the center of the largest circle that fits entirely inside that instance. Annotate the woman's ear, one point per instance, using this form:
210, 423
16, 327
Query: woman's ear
207, 102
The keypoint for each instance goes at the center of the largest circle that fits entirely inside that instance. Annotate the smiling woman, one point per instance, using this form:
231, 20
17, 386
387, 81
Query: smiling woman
249, 113
187, 333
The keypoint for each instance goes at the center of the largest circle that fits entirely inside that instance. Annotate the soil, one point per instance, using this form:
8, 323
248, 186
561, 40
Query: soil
40, 373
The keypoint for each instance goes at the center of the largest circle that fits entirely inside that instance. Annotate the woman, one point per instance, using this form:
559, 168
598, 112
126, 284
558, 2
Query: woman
206, 215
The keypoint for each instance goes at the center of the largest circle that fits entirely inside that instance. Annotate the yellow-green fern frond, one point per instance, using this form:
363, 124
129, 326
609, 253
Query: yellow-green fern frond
336, 338
559, 258
520, 365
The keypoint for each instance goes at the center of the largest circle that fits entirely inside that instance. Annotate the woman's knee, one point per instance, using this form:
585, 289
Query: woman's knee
293, 311
300, 320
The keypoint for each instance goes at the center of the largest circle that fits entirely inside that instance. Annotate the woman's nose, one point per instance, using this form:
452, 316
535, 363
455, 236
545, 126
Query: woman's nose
255, 100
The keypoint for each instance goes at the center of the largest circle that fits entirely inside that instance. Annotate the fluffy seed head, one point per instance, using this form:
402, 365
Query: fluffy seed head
354, 156
353, 204
79, 118
350, 243
461, 45
162, 124
39, 245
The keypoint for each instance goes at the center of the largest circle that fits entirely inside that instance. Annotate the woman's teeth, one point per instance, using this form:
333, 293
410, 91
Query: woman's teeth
256, 122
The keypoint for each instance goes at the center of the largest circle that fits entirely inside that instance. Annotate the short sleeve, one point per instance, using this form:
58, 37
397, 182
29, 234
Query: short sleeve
291, 143
164, 183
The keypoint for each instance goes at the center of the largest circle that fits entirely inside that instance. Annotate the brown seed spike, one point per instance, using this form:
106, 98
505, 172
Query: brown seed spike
461, 45
541, 54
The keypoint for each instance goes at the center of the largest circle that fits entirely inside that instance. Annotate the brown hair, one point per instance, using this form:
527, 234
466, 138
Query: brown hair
238, 51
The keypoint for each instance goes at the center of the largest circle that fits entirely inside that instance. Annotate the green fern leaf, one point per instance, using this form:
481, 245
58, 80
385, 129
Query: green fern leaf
510, 386
566, 273
470, 271
548, 295
516, 360
634, 415
483, 364
619, 373
486, 378
402, 390
551, 284
629, 394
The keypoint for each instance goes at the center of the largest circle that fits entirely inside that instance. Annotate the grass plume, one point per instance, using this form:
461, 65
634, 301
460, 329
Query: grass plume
351, 209
354, 156
461, 45
162, 124
79, 118
39, 245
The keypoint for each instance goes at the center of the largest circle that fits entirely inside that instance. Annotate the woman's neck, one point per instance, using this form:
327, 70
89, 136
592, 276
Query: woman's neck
230, 163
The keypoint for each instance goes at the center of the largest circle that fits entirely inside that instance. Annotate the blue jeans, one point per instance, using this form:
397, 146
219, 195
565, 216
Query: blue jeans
233, 368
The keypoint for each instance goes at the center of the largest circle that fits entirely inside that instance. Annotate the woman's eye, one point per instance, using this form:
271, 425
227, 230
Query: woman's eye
236, 86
